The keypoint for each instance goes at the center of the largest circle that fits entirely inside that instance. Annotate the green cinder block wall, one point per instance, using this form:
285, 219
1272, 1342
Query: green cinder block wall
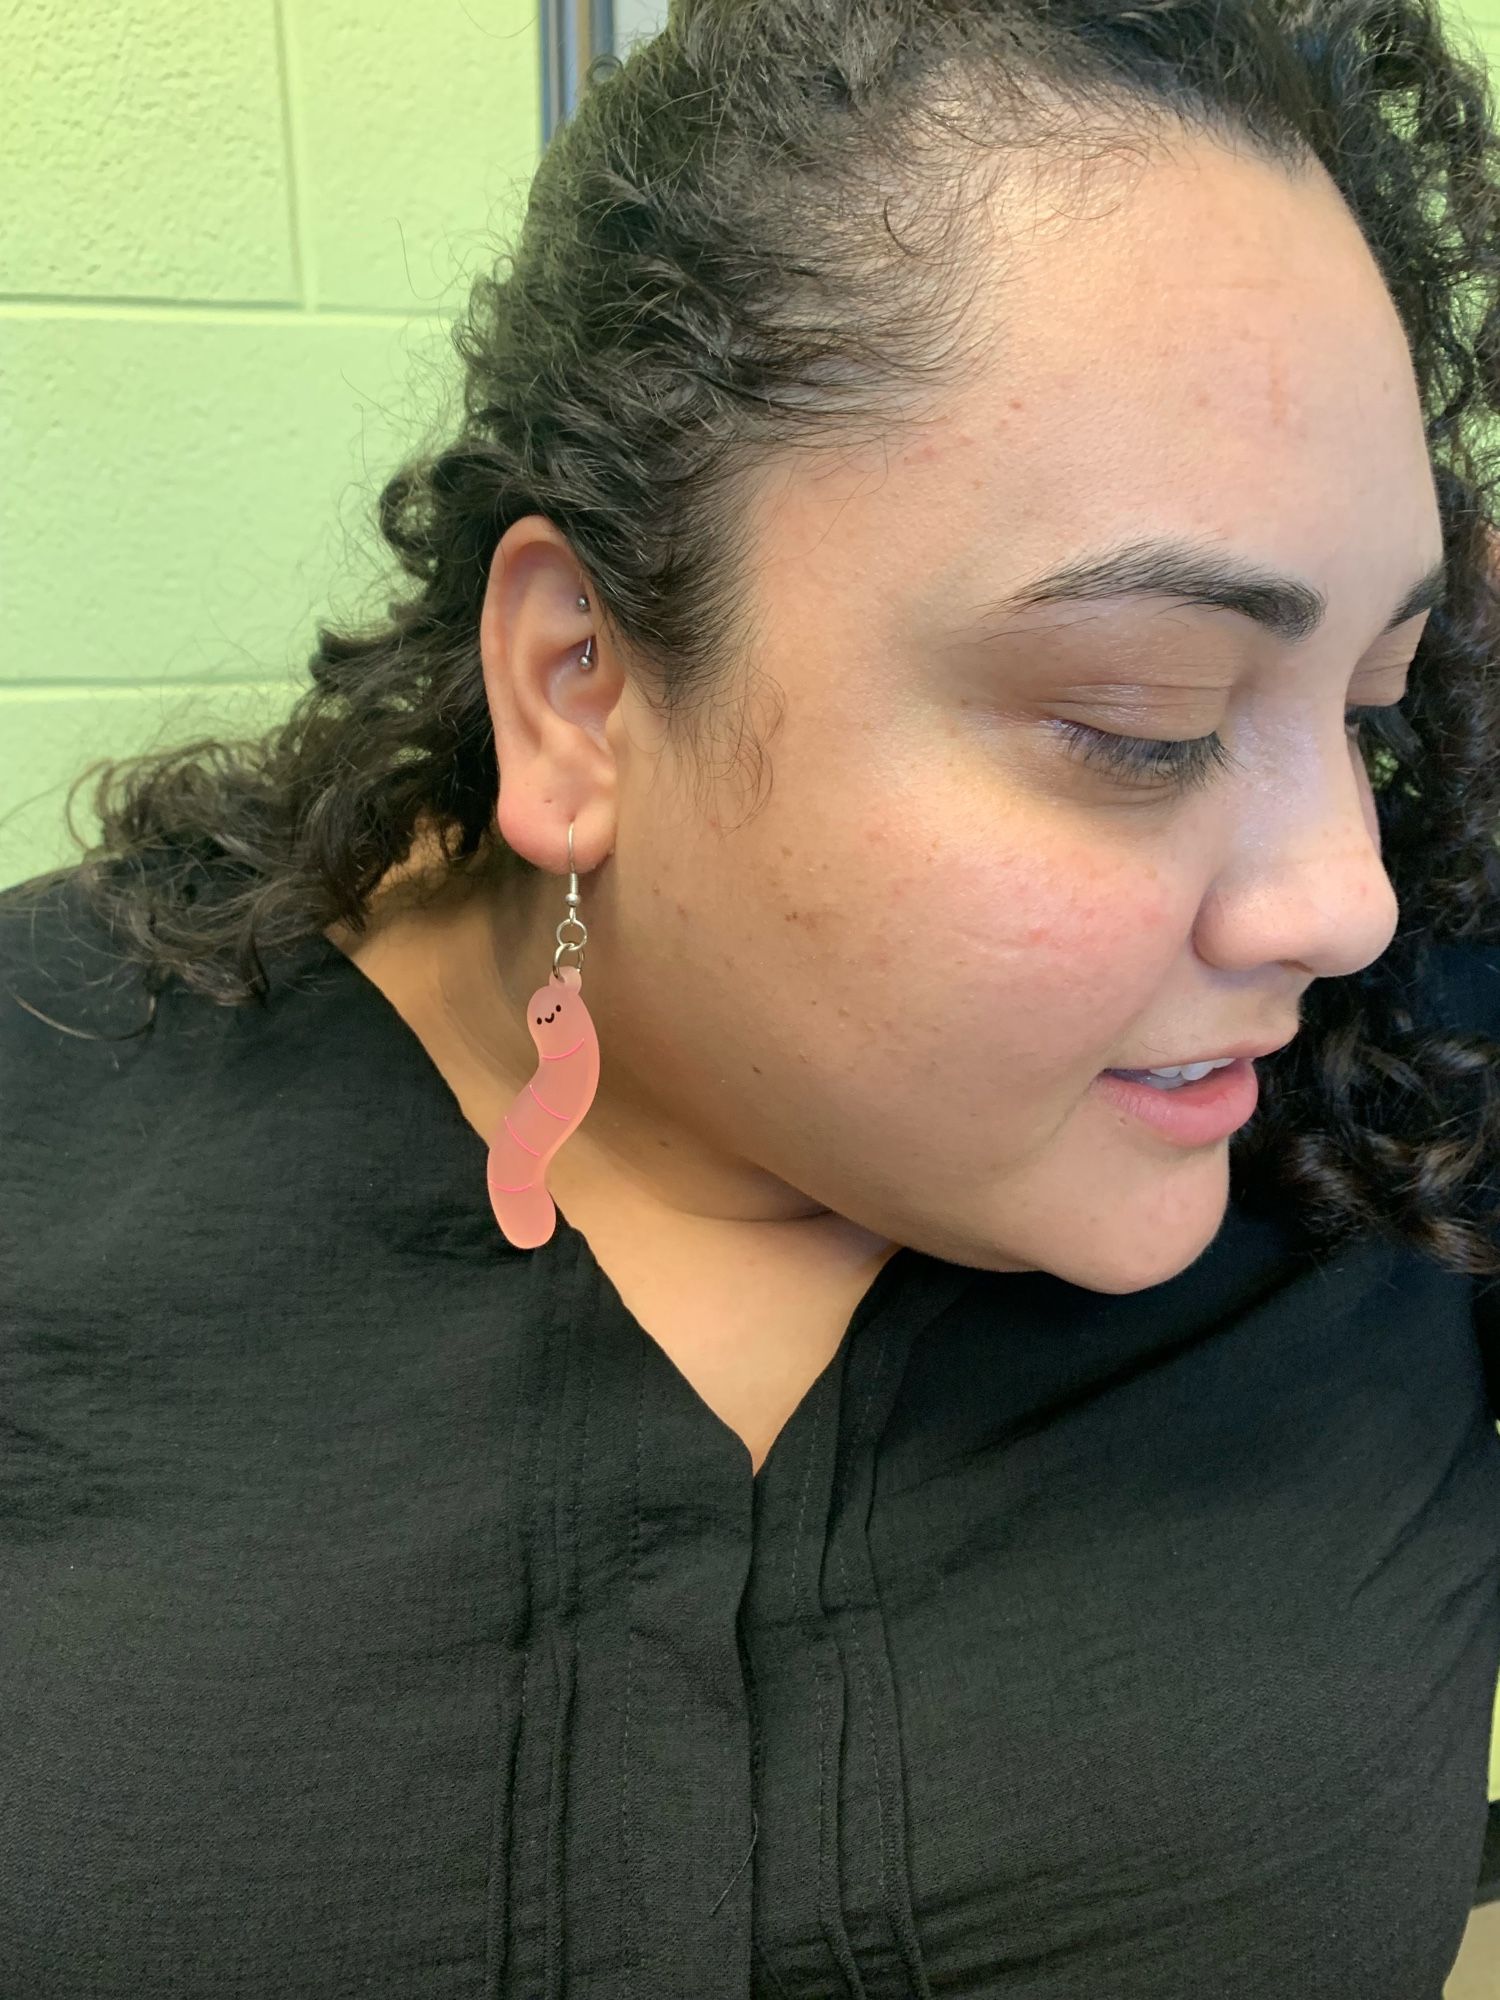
231, 236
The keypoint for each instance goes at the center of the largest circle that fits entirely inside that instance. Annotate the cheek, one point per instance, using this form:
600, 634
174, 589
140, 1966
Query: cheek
1015, 944
1060, 955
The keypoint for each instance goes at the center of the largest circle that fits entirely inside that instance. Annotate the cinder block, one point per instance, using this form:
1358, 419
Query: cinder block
184, 495
1473, 12
418, 130
142, 152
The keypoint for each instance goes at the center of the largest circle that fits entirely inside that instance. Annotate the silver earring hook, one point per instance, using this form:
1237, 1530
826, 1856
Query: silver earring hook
572, 899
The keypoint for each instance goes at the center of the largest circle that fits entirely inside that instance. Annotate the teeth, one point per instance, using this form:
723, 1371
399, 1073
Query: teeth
1174, 1076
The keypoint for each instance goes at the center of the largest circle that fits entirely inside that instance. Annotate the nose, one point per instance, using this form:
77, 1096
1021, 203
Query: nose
1304, 881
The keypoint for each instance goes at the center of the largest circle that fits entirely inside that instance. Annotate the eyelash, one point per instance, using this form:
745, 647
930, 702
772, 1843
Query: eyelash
1184, 763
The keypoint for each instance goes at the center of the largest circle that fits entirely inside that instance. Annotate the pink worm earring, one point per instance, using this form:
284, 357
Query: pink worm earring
551, 1107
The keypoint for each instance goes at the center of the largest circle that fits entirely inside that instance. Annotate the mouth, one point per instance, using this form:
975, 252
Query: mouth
1175, 1084
1189, 1114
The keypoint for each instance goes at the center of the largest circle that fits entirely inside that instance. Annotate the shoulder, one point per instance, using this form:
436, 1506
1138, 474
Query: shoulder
63, 978
139, 1116
77, 1060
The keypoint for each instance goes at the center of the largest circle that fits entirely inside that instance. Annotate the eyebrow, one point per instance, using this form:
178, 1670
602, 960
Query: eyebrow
1198, 574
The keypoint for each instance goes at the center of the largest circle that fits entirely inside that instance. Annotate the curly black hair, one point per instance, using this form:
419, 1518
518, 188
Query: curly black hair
746, 239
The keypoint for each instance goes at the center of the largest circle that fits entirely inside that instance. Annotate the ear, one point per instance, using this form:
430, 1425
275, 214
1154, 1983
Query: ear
548, 711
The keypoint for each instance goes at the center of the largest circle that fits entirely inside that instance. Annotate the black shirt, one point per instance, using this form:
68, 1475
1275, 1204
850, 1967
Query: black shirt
385, 1614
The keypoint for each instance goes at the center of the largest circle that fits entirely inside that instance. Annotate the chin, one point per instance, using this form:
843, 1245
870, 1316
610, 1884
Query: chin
1172, 1253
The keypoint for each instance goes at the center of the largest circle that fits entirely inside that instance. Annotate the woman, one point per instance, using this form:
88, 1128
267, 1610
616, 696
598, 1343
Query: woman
966, 553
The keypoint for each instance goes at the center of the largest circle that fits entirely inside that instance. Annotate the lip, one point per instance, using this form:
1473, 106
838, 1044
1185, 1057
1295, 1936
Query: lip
1241, 1051
1200, 1114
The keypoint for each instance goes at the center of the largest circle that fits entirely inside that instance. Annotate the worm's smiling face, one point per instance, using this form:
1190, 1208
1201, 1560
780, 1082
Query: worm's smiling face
554, 1019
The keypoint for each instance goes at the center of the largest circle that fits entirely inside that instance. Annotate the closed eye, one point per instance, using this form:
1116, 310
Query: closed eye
1183, 764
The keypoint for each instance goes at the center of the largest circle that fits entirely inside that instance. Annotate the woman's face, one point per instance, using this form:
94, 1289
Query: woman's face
884, 984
